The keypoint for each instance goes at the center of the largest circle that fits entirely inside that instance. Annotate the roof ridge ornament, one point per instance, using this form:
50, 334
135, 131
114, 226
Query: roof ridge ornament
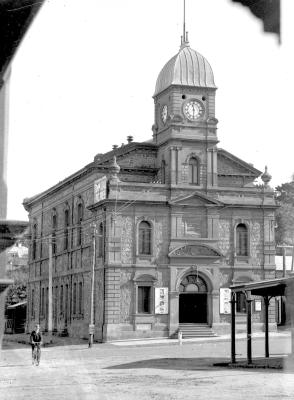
184, 37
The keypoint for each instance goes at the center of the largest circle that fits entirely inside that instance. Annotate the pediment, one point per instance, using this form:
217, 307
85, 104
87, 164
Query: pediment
195, 250
196, 199
228, 164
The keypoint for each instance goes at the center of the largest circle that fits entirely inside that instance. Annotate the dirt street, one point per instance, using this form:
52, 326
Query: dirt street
128, 372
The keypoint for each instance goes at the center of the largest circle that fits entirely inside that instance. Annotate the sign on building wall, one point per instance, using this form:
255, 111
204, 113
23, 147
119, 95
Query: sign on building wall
100, 189
224, 301
257, 304
161, 300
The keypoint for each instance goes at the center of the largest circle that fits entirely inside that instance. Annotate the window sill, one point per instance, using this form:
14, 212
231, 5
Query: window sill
242, 260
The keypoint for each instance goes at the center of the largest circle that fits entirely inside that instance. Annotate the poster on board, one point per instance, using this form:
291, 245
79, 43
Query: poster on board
100, 186
224, 301
161, 300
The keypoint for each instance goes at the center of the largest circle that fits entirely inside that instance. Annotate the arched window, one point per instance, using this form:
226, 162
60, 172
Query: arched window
193, 171
34, 242
100, 240
54, 227
193, 283
66, 230
80, 219
241, 240
144, 238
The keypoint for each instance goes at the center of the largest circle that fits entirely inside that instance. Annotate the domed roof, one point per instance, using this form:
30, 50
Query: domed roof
187, 68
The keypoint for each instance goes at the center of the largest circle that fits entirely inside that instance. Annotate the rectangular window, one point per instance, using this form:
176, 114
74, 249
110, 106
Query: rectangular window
75, 299
144, 299
47, 302
53, 243
241, 303
66, 300
66, 239
42, 301
80, 297
33, 304
55, 302
61, 300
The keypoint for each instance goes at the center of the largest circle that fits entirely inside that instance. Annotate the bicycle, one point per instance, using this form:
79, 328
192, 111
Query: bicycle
36, 353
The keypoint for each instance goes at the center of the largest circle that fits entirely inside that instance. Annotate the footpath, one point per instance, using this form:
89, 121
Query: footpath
54, 340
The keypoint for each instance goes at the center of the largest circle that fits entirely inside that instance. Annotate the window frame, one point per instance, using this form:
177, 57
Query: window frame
239, 256
239, 302
80, 297
66, 228
151, 230
80, 218
54, 222
145, 280
34, 240
141, 299
191, 174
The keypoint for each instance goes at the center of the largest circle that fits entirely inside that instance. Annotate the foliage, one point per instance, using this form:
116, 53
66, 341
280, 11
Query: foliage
17, 291
16, 294
285, 214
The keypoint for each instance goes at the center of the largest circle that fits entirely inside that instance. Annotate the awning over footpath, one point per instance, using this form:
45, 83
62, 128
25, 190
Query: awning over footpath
266, 289
271, 287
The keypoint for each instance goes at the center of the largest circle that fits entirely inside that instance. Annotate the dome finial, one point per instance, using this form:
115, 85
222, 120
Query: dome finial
184, 37
266, 177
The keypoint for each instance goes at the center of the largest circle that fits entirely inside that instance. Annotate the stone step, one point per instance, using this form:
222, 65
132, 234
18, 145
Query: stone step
196, 330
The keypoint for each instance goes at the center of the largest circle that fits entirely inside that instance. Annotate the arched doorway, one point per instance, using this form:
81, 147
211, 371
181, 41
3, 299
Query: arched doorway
193, 300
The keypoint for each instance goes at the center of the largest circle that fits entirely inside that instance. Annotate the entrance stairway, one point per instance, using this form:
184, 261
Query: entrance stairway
196, 330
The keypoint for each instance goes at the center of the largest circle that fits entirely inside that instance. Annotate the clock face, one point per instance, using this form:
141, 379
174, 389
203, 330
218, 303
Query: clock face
193, 110
164, 113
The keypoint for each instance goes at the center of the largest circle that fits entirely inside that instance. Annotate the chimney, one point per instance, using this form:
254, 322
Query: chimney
130, 139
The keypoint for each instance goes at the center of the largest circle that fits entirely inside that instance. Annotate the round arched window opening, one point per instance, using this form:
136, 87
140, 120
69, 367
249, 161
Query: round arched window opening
193, 283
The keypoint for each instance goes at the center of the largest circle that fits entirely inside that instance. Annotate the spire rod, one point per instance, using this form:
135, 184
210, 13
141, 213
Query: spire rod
184, 38
184, 22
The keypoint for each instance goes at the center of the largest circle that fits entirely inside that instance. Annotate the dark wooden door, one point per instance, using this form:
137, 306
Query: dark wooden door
193, 308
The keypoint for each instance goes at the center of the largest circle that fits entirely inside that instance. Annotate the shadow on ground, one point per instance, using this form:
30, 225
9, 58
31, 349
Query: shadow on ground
19, 340
191, 364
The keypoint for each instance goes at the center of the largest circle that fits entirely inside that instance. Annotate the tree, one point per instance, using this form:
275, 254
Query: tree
285, 214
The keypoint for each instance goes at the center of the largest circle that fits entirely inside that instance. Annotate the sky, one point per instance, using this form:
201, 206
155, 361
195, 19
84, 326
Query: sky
83, 79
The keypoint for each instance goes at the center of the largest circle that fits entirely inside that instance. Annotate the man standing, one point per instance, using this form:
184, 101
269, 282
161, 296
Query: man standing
36, 341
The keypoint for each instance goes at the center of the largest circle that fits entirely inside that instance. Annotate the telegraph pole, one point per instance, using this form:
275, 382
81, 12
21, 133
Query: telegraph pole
92, 325
50, 287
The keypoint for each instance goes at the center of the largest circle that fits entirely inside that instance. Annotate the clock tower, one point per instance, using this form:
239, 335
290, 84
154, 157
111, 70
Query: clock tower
185, 120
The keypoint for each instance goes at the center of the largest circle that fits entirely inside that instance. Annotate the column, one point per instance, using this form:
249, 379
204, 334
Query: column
214, 166
209, 167
266, 305
233, 327
173, 166
173, 312
249, 335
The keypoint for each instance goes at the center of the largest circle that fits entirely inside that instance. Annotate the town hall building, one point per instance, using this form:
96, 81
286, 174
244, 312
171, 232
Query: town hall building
166, 225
